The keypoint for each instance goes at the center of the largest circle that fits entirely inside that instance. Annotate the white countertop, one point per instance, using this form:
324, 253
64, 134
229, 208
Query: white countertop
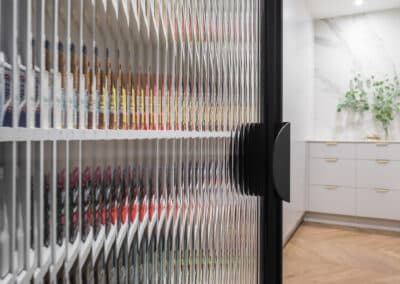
353, 141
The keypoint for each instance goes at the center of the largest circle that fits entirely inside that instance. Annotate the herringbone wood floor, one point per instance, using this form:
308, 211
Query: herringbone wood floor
331, 254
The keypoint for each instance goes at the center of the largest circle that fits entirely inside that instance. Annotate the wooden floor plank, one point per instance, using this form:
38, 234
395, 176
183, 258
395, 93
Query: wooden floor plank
331, 254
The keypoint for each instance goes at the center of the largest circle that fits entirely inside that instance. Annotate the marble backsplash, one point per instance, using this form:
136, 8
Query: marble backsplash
368, 44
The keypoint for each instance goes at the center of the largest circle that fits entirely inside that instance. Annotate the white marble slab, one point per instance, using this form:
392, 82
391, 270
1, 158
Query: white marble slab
368, 44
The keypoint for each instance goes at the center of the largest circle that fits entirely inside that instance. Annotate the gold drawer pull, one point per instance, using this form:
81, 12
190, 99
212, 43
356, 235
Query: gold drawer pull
382, 190
331, 160
331, 143
331, 187
382, 144
373, 137
383, 162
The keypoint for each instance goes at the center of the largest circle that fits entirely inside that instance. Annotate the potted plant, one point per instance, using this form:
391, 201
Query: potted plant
355, 102
356, 98
385, 102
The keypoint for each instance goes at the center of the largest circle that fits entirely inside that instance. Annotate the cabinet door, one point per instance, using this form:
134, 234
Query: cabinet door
332, 171
378, 173
378, 203
332, 199
373, 151
332, 149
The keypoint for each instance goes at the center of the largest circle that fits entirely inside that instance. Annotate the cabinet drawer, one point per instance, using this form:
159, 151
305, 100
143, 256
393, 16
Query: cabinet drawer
332, 200
378, 173
332, 171
374, 203
337, 150
378, 150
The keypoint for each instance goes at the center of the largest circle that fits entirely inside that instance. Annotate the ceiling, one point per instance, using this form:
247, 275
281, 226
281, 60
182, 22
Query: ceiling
334, 8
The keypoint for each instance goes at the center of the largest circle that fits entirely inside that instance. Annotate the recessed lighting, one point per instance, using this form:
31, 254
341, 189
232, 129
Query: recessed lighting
359, 2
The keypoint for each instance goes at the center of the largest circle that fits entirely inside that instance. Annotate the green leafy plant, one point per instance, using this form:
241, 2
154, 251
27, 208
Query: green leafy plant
385, 104
356, 98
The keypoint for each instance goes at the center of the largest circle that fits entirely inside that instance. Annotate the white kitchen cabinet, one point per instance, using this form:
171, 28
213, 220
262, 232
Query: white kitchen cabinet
332, 150
355, 179
378, 203
332, 199
378, 150
378, 174
332, 171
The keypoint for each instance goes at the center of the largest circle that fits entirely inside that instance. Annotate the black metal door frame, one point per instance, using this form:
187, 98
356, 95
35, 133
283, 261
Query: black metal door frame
271, 94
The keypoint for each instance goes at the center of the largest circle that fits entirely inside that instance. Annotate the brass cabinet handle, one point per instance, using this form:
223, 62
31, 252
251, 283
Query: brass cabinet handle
383, 162
331, 160
382, 144
331, 187
373, 137
382, 190
331, 143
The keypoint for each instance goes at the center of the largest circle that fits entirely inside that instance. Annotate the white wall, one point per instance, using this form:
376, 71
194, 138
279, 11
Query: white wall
297, 100
328, 9
368, 44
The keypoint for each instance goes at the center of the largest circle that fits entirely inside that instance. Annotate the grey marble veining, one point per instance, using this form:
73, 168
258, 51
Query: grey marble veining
368, 44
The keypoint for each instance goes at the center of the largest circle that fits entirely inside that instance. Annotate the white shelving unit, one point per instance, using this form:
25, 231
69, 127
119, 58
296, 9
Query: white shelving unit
37, 142
29, 154
26, 134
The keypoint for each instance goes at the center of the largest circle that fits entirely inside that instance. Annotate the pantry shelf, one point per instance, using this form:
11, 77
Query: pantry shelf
8, 134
